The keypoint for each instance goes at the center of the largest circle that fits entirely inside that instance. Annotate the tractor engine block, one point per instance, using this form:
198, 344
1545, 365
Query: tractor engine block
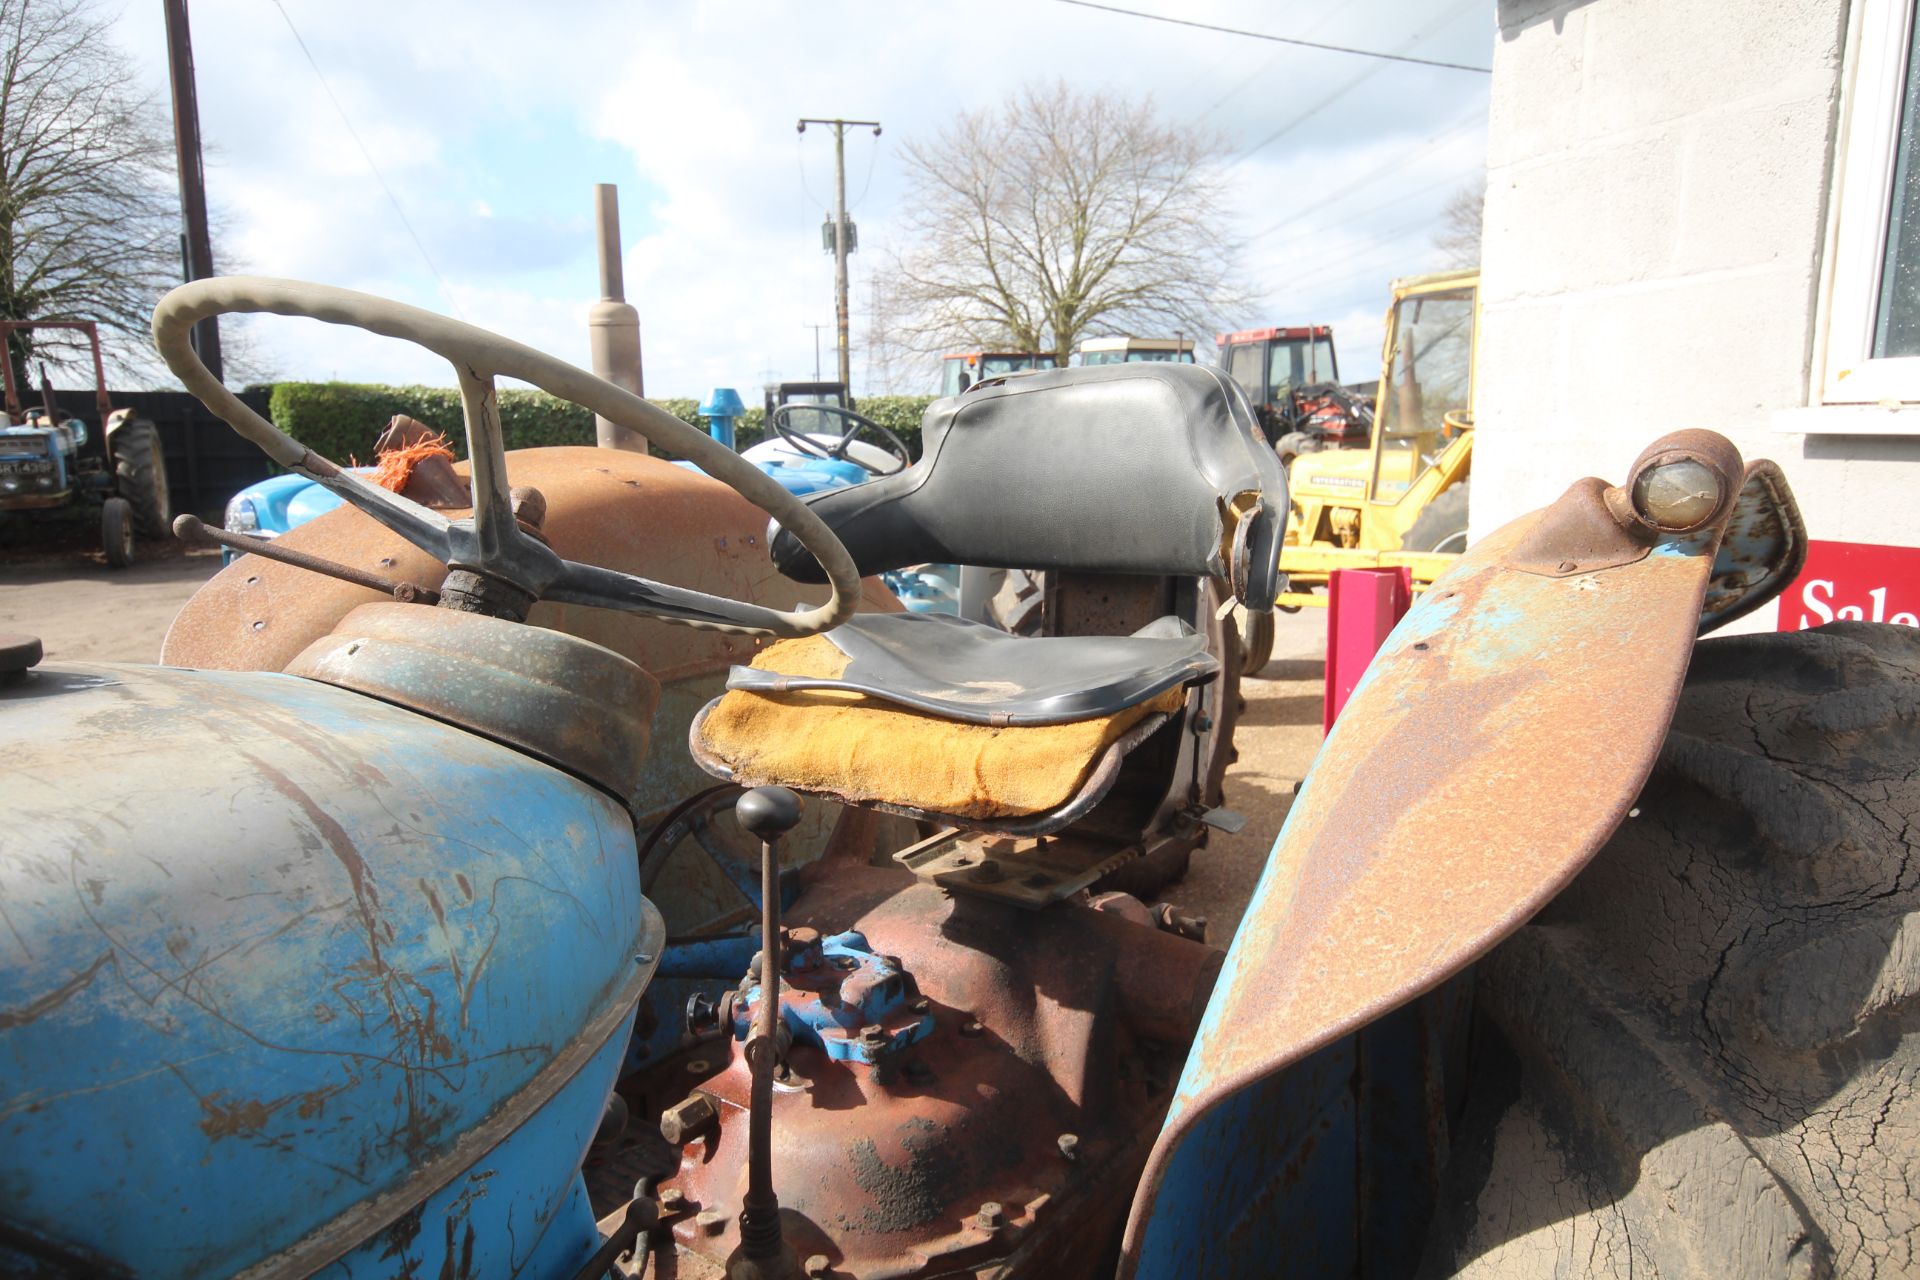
966, 1083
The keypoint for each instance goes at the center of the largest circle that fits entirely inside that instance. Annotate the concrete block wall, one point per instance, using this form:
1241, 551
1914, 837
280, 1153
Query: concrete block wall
1657, 188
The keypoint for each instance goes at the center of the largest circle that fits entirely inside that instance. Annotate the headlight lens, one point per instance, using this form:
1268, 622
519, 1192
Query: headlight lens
242, 517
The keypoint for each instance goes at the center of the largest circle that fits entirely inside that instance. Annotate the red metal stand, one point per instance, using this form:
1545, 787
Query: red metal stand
1362, 606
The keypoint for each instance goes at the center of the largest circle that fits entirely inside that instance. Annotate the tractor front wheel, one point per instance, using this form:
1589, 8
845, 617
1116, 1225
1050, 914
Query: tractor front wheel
140, 476
1704, 1055
116, 532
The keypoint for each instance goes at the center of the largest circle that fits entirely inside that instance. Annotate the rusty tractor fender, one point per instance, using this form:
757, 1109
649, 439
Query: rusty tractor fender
1493, 746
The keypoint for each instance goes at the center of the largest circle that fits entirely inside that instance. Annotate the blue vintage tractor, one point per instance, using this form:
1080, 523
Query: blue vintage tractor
402, 934
50, 461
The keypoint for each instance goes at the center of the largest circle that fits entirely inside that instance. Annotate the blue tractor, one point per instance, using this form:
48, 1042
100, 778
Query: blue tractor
50, 461
463, 899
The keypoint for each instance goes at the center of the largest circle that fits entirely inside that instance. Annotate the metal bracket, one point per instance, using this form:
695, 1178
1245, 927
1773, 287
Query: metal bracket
1030, 872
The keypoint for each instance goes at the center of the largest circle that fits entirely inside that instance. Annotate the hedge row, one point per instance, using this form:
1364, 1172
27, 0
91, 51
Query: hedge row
340, 420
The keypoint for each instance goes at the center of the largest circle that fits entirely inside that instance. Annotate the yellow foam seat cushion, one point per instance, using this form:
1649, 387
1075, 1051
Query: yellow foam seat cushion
865, 749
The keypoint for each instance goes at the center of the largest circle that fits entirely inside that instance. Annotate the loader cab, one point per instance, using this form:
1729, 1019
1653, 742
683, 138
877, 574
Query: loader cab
1098, 351
1270, 364
963, 369
1424, 406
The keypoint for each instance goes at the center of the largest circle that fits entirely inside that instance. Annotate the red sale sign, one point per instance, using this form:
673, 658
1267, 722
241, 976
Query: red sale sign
1856, 581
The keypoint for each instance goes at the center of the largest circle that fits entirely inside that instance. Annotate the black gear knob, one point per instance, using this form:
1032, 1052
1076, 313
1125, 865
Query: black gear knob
768, 812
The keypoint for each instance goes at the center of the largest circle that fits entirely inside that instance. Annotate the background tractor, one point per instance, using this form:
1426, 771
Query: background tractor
1123, 350
1403, 500
962, 369
1292, 375
50, 461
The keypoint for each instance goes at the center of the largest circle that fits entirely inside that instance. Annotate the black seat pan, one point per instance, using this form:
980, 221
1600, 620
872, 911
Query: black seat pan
978, 674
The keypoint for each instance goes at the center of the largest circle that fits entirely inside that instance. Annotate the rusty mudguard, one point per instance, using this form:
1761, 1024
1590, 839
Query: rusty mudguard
1495, 743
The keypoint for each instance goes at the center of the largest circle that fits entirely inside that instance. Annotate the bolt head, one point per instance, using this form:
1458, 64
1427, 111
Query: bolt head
711, 1222
673, 1200
683, 1120
992, 1216
971, 1028
817, 1265
1069, 1144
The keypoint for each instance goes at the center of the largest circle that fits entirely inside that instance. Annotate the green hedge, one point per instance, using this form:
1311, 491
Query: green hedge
340, 420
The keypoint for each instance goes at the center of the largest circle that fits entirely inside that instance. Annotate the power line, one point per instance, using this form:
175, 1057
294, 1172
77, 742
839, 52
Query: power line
1392, 162
1265, 35
368, 157
1268, 65
1309, 232
1352, 84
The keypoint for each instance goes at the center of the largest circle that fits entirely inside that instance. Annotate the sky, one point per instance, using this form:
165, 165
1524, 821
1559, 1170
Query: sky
489, 121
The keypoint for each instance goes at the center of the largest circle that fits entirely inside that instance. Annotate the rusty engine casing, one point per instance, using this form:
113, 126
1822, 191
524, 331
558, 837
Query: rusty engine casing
987, 1087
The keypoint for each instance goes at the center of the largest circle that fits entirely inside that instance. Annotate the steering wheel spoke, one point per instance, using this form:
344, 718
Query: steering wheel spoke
422, 526
490, 543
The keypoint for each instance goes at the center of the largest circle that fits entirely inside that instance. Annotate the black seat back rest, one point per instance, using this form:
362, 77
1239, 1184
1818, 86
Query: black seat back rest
1112, 469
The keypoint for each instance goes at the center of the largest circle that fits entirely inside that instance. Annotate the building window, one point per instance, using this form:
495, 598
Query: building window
1871, 336
1896, 330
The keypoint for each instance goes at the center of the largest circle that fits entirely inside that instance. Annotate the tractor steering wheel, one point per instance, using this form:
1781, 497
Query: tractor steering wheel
490, 543
837, 452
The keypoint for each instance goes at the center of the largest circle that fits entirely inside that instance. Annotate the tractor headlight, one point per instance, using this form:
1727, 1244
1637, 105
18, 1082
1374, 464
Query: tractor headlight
242, 516
45, 482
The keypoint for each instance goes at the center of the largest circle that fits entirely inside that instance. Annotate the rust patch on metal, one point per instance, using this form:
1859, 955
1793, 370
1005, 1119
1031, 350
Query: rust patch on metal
1494, 744
43, 1005
1579, 534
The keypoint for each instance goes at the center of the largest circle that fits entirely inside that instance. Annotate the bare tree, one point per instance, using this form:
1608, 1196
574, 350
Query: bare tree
1058, 216
1459, 234
89, 225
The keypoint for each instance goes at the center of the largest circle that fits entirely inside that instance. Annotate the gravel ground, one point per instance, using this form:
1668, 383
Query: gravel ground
1277, 736
81, 609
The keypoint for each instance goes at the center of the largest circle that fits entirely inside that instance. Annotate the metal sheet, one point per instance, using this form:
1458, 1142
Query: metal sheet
1498, 738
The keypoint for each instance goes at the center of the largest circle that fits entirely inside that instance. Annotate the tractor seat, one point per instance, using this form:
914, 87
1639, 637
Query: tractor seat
950, 720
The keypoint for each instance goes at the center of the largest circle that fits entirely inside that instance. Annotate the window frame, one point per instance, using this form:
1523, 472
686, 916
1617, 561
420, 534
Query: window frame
1865, 159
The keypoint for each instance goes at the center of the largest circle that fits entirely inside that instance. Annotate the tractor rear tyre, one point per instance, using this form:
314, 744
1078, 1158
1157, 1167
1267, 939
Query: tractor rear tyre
140, 476
1703, 1058
116, 532
1443, 525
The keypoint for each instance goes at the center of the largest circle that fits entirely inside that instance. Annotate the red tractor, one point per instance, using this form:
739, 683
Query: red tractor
1292, 376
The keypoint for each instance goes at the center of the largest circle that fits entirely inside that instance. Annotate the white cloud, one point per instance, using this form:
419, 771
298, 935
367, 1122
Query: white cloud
490, 121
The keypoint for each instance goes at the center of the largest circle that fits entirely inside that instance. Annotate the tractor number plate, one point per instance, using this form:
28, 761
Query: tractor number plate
26, 466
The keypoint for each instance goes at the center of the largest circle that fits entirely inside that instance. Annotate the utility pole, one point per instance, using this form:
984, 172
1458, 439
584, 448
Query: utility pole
840, 237
816, 347
193, 181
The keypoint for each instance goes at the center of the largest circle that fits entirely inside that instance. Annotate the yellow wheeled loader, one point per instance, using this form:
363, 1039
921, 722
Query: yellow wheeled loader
1403, 500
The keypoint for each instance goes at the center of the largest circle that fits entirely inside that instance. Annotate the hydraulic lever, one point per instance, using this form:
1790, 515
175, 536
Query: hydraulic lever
769, 813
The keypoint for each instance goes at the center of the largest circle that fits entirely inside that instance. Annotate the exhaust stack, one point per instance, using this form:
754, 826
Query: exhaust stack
613, 327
